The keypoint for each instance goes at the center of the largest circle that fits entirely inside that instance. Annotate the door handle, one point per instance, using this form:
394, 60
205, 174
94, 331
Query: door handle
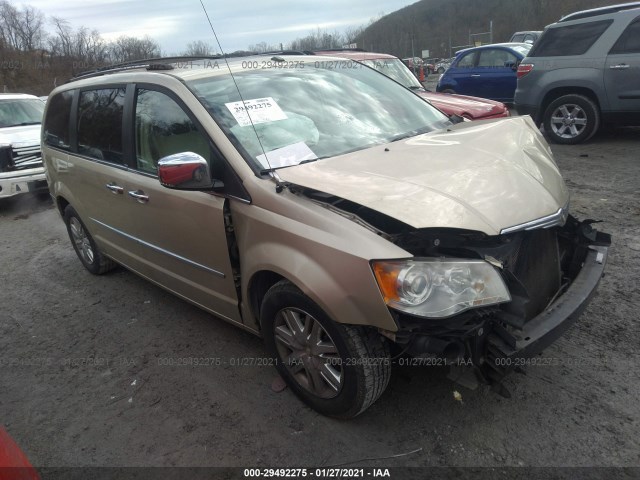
139, 196
115, 189
620, 66
475, 75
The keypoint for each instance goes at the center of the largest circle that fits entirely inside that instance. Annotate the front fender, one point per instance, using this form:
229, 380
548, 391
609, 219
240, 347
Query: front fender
331, 268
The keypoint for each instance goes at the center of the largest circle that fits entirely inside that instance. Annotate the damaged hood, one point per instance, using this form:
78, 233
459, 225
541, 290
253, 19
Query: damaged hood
485, 176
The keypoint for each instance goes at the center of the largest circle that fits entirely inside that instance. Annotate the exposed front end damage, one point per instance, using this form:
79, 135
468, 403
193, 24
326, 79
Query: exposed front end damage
551, 273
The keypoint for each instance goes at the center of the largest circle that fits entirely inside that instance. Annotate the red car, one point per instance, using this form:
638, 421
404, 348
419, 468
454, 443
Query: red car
472, 108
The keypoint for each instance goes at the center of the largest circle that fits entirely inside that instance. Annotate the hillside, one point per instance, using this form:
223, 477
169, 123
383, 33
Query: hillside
437, 24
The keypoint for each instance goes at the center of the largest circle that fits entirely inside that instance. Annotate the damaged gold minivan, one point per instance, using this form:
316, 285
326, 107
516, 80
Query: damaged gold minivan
323, 206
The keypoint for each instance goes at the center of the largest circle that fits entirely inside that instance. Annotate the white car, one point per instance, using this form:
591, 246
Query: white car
20, 158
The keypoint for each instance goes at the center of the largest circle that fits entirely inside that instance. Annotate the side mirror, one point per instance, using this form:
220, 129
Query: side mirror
184, 171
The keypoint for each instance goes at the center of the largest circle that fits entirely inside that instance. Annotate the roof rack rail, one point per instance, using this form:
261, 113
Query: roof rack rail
158, 63
599, 11
282, 52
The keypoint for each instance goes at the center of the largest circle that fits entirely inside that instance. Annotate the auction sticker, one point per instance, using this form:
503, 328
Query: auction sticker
287, 156
262, 110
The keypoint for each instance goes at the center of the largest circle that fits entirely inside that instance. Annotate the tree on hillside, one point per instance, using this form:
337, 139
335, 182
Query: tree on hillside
320, 39
21, 29
199, 48
127, 49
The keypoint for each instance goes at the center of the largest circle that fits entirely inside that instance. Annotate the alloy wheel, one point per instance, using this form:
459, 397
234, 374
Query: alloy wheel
81, 240
568, 121
308, 352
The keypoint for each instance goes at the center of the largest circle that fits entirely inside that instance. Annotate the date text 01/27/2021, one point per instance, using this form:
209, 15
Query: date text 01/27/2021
321, 473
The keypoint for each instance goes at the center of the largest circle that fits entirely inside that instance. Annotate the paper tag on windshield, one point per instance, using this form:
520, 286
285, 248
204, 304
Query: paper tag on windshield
261, 110
287, 156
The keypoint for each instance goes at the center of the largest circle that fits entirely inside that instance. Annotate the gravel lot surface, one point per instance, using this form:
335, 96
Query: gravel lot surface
90, 373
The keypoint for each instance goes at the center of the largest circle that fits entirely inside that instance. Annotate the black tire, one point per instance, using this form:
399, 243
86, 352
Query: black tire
571, 119
448, 90
440, 70
86, 249
361, 355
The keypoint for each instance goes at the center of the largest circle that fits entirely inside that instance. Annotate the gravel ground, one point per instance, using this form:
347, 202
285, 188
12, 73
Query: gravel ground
86, 380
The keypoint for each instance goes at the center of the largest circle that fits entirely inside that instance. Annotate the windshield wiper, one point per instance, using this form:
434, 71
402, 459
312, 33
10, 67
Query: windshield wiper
273, 169
413, 133
24, 124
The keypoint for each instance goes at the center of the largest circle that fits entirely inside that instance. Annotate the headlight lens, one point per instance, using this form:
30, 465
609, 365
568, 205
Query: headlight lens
438, 288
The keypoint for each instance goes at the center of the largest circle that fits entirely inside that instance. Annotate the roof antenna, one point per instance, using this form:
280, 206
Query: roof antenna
279, 185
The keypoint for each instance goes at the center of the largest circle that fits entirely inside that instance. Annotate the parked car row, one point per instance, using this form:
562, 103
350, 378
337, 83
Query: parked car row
463, 106
581, 73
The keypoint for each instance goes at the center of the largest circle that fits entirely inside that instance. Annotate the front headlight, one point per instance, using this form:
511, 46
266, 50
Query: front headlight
438, 288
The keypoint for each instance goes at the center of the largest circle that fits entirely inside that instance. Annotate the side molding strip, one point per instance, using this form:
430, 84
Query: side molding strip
161, 250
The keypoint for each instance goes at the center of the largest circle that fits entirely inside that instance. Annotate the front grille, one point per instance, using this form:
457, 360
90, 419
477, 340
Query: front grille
28, 156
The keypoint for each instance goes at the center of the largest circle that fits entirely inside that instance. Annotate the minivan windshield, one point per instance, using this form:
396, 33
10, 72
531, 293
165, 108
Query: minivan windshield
17, 112
311, 111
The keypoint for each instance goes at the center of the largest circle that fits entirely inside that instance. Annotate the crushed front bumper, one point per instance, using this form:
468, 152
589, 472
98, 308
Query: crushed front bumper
503, 347
483, 346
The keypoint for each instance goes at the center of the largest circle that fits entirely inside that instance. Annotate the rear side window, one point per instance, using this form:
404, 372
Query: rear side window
100, 124
569, 40
56, 124
468, 61
629, 41
494, 58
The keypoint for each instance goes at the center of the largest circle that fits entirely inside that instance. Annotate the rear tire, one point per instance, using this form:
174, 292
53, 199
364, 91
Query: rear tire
441, 70
338, 370
571, 119
86, 249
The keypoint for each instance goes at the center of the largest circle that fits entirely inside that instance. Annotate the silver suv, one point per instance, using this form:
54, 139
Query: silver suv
323, 206
583, 72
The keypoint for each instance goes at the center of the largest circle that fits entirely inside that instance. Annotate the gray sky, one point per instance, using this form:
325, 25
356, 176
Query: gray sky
174, 23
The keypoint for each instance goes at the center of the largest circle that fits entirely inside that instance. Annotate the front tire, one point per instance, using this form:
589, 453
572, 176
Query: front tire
440, 70
338, 370
84, 245
571, 119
